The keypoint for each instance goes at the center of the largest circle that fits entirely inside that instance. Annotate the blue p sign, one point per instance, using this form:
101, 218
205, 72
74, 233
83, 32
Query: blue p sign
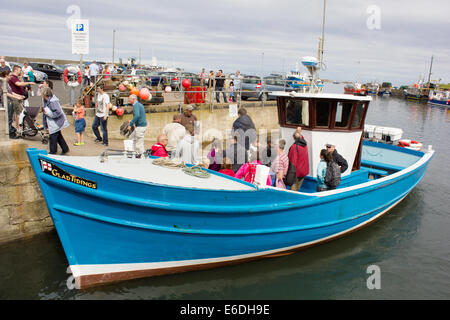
79, 27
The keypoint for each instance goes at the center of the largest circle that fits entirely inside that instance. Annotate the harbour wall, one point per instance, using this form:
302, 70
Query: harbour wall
23, 211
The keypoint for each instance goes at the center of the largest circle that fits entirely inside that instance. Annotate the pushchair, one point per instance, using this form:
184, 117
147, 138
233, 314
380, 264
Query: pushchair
28, 125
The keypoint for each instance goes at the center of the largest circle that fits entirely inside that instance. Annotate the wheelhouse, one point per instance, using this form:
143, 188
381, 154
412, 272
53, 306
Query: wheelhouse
324, 118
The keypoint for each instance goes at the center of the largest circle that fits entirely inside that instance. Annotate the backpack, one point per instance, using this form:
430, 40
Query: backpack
291, 175
333, 174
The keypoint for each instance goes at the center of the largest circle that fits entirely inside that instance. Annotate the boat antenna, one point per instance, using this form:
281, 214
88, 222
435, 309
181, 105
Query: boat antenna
322, 38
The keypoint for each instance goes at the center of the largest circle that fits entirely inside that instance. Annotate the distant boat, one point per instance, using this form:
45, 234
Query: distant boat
438, 97
415, 93
356, 89
303, 81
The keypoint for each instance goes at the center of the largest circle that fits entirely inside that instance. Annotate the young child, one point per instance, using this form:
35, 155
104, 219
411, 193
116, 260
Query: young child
231, 90
80, 122
325, 157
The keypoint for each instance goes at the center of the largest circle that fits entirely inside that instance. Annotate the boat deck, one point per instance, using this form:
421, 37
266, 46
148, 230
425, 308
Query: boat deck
144, 170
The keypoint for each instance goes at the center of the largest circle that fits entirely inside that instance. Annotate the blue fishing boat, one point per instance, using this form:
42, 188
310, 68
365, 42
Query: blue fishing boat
121, 218
439, 97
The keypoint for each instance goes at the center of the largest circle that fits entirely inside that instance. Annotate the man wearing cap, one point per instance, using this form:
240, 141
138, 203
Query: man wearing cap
336, 156
188, 119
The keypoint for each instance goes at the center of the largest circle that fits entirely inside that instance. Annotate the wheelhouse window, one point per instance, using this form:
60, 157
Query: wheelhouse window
343, 113
322, 113
297, 112
356, 123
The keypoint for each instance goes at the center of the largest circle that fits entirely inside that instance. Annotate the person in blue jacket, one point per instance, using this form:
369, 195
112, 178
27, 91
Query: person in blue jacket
325, 157
140, 123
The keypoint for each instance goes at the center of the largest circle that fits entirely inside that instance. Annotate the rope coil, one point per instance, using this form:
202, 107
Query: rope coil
195, 171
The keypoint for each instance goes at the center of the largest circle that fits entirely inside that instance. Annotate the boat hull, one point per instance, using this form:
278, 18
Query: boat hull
439, 102
124, 229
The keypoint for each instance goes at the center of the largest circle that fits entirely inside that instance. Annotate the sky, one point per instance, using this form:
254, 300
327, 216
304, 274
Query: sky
365, 40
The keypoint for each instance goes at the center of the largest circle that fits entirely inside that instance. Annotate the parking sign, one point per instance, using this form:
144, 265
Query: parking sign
80, 36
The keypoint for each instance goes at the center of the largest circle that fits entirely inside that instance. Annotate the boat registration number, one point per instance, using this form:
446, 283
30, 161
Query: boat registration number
55, 171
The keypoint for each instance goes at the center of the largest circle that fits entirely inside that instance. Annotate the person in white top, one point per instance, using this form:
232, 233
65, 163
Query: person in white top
174, 131
102, 106
237, 78
86, 76
93, 70
187, 149
26, 68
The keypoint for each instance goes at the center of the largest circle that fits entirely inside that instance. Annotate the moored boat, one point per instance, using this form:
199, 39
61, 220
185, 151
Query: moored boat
121, 218
124, 218
356, 89
438, 97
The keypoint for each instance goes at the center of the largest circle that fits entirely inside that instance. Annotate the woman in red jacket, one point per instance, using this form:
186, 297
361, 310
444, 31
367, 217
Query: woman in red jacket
298, 156
159, 149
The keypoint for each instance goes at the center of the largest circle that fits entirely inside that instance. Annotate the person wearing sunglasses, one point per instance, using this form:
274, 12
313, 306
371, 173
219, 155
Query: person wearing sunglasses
331, 148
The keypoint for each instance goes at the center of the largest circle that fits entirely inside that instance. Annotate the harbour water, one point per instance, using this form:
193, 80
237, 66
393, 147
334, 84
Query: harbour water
409, 245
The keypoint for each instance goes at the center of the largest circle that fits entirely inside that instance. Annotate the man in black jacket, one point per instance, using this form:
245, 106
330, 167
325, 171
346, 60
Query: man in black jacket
337, 157
246, 129
220, 82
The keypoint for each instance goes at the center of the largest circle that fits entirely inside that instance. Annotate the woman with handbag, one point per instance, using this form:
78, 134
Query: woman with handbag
280, 165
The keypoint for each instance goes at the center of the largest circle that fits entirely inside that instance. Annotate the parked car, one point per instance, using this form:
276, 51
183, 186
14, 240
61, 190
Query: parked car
193, 77
52, 71
171, 79
151, 78
255, 87
39, 76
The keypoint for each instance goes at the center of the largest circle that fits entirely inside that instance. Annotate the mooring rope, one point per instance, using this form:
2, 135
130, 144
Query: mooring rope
195, 171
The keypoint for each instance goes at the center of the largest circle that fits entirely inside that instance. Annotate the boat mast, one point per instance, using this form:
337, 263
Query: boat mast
429, 73
322, 38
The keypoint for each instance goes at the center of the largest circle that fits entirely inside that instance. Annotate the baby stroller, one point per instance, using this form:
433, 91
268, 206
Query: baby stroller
28, 125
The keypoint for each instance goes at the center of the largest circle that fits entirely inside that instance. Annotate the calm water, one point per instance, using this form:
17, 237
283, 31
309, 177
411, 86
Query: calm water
410, 245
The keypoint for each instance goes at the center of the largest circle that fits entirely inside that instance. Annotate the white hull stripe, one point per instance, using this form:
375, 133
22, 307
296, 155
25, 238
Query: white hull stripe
93, 269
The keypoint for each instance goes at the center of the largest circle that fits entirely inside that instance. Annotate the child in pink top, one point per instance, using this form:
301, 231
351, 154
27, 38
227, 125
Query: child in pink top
80, 122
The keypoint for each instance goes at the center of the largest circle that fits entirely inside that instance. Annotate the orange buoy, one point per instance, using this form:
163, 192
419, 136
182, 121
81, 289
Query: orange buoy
145, 94
135, 91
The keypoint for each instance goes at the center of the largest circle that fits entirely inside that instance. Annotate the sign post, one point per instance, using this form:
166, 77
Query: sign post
80, 41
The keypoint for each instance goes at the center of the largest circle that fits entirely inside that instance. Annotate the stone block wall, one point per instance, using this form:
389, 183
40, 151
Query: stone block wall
23, 211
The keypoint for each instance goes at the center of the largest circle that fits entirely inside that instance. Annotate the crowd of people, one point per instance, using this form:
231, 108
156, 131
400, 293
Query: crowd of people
178, 138
216, 83
245, 152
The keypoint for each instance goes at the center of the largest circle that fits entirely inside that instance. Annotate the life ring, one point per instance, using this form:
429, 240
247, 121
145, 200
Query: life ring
71, 82
410, 144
